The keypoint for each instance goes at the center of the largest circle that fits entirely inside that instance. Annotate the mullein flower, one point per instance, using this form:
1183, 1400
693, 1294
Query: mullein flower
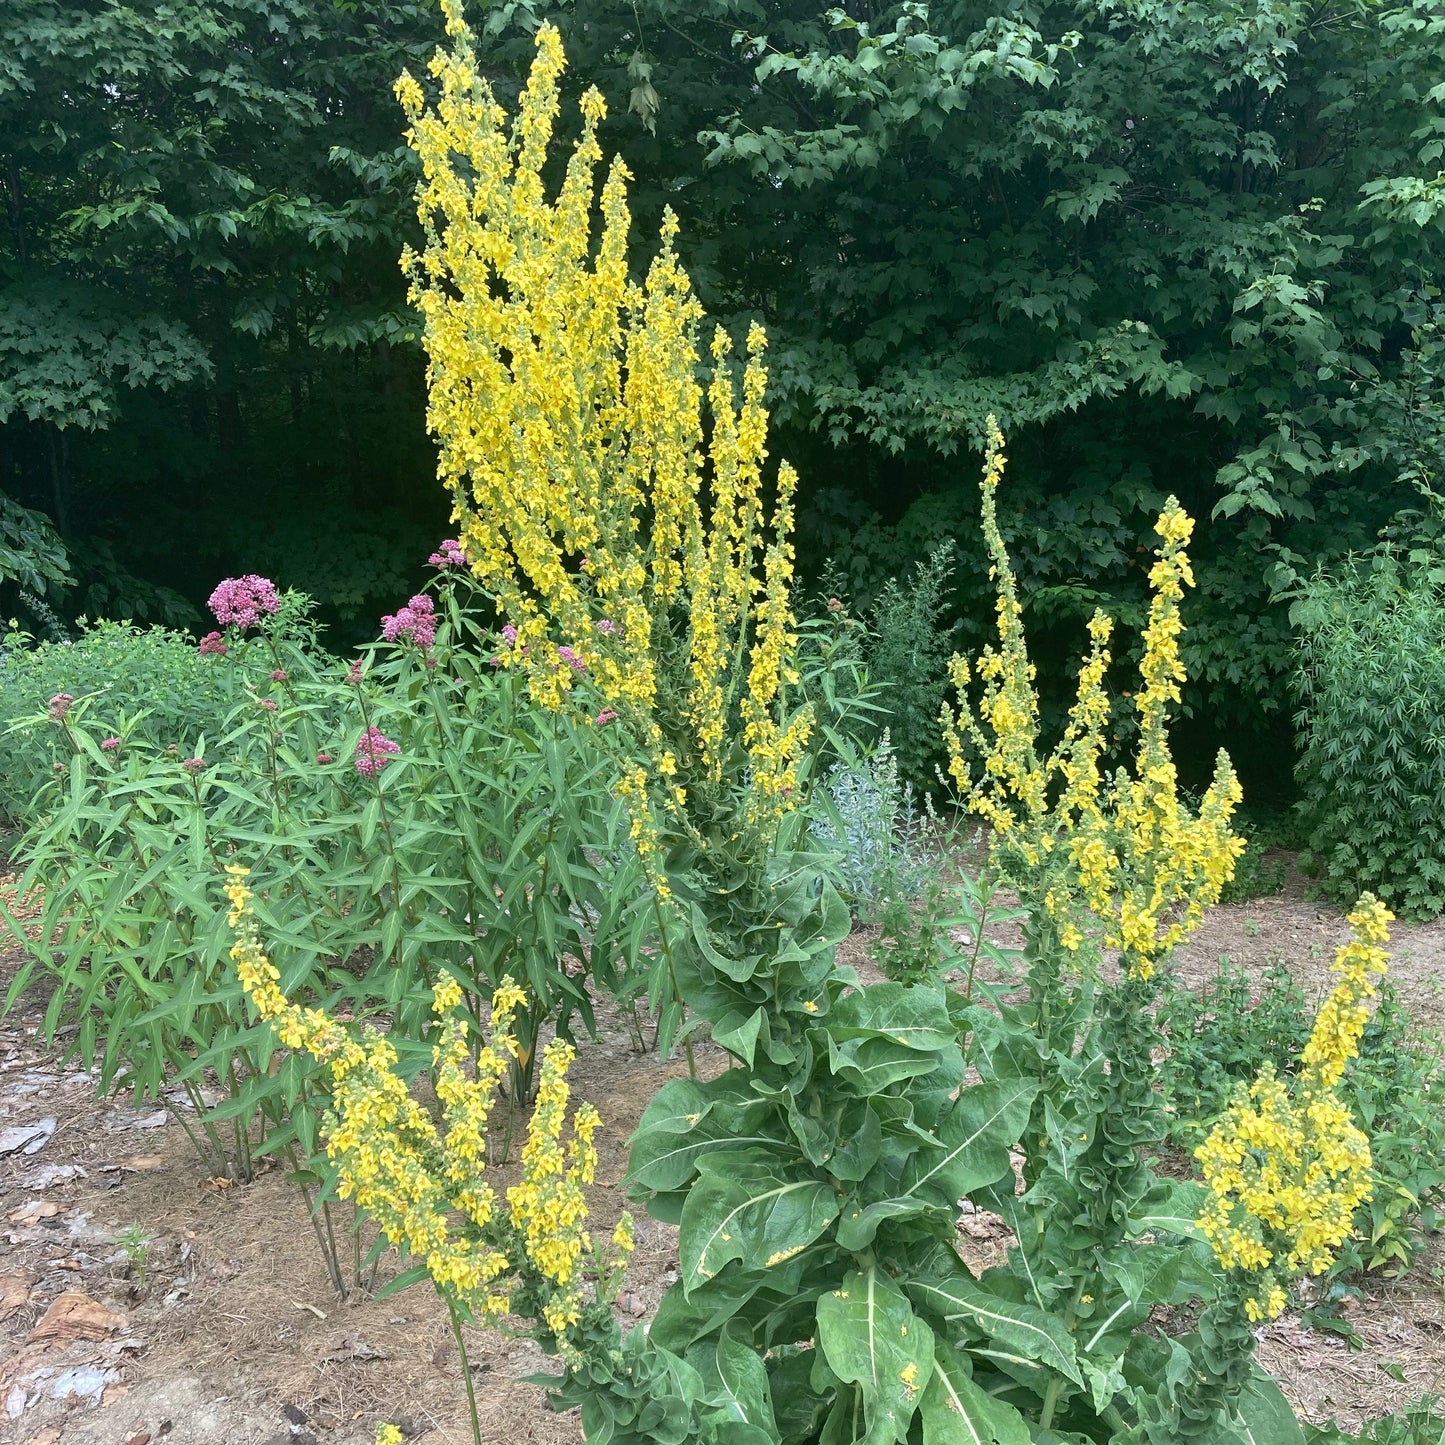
1123, 847
423, 1185
1286, 1165
571, 424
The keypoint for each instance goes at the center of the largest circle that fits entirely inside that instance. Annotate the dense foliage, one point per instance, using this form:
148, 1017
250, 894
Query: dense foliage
1174, 248
1371, 771
202, 207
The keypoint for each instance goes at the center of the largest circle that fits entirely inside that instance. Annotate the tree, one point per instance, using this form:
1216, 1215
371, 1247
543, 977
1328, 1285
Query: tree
202, 325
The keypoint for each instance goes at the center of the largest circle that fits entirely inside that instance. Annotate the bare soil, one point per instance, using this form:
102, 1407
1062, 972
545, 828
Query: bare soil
142, 1300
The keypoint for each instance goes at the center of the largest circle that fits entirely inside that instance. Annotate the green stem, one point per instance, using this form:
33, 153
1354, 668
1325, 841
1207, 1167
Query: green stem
466, 1372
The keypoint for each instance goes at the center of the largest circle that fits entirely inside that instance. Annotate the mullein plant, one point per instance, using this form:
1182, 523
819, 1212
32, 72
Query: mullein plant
1286, 1168
619, 525
422, 1180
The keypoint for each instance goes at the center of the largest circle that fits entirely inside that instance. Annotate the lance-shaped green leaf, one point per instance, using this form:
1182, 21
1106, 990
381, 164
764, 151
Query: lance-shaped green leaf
1017, 1329
957, 1412
736, 1379
755, 1205
872, 1339
1265, 1416
976, 1136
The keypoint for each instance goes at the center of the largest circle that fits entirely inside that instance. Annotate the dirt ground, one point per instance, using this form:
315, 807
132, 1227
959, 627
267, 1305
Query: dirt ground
141, 1300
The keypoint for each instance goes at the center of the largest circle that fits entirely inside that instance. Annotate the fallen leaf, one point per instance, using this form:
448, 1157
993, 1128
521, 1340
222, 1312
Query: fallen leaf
138, 1162
75, 1316
26, 1138
14, 1290
353, 1347
113, 1391
50, 1435
320, 1314
137, 1437
34, 1213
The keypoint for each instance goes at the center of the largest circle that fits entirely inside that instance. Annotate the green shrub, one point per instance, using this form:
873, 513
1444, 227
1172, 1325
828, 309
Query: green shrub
1218, 1036
1371, 768
152, 674
908, 657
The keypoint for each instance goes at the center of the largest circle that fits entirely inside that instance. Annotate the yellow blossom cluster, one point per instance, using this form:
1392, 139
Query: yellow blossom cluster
1123, 845
622, 538
547, 1204
1287, 1169
425, 1186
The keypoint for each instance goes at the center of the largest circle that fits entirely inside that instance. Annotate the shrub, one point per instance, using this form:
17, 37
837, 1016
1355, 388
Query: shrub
152, 674
1219, 1035
908, 651
1371, 767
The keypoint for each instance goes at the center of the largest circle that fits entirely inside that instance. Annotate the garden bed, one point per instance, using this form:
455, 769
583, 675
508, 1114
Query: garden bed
210, 1319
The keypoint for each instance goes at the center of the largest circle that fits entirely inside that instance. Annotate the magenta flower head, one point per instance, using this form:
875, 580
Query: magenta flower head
607, 627
269, 703
194, 766
374, 751
571, 659
449, 554
242, 601
607, 715
416, 623
324, 758
353, 673
59, 705
211, 643
278, 675
109, 745
509, 635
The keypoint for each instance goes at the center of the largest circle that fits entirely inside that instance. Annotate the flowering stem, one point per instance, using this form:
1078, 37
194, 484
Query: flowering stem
466, 1371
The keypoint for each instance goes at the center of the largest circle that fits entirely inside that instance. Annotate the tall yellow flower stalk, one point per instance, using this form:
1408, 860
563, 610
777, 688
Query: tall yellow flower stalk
1124, 846
423, 1185
622, 537
1286, 1166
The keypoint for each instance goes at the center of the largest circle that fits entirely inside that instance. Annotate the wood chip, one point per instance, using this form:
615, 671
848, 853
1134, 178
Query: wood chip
15, 1286
75, 1316
34, 1213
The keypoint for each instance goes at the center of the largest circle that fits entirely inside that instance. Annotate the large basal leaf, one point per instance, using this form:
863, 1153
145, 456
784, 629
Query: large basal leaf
976, 1136
1178, 1213
1022, 1330
753, 1205
872, 1339
957, 1412
1265, 1415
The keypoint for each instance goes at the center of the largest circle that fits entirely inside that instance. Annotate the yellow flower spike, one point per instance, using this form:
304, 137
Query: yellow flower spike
1286, 1171
1140, 861
425, 1186
570, 429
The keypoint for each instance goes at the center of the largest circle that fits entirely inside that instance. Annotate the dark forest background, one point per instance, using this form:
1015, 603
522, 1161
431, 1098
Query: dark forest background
1175, 247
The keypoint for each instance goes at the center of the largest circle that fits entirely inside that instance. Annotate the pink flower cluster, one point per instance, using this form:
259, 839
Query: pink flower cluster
373, 752
194, 766
241, 601
416, 622
59, 705
449, 554
109, 745
211, 643
571, 659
